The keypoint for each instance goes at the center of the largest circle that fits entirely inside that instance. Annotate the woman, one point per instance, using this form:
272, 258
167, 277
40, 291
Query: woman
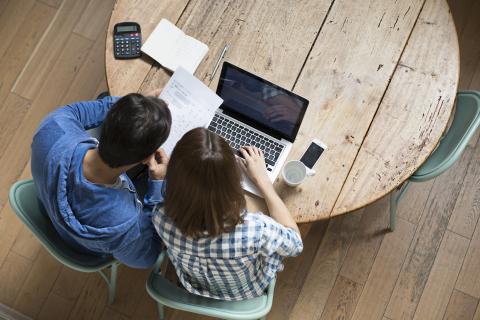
220, 250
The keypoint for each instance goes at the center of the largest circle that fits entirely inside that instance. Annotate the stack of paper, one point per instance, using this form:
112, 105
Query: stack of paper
172, 48
191, 103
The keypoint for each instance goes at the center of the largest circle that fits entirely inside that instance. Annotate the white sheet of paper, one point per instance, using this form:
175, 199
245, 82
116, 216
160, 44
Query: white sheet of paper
170, 47
191, 103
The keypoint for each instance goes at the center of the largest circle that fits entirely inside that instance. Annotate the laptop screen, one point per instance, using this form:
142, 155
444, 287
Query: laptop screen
260, 103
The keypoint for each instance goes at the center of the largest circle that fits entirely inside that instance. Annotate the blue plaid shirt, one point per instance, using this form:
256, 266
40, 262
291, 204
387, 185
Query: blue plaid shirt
232, 266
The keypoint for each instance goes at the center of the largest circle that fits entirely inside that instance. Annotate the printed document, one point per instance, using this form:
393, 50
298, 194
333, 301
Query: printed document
191, 103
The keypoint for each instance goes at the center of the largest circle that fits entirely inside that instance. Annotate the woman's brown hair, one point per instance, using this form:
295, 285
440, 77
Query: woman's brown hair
203, 195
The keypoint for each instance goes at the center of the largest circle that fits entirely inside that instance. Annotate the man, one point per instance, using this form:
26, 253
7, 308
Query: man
82, 183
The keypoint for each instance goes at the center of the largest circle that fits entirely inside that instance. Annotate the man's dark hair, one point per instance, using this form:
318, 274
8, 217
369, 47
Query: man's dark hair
133, 129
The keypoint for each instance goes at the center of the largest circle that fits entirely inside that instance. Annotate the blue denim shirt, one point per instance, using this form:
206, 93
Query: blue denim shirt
91, 217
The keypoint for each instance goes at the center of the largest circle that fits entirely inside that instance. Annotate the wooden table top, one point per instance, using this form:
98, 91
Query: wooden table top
381, 78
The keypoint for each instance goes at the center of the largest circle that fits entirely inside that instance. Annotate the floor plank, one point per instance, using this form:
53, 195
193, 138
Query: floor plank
366, 241
342, 300
291, 279
12, 18
56, 307
469, 278
395, 267
33, 76
94, 19
13, 273
55, 85
413, 203
92, 301
385, 270
38, 284
325, 268
429, 233
467, 209
441, 281
16, 55
460, 307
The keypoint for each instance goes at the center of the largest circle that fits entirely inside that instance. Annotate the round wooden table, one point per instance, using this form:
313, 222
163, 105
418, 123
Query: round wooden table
381, 78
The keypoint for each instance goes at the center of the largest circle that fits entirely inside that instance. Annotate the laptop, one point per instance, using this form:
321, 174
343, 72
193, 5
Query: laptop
256, 112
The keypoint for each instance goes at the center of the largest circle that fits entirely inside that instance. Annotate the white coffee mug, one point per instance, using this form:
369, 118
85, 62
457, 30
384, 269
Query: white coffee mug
294, 173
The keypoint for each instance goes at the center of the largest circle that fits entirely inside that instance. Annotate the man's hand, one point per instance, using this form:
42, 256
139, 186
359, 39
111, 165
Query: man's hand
157, 164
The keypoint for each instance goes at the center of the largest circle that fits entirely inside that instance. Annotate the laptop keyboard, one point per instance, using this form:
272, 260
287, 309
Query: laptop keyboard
239, 136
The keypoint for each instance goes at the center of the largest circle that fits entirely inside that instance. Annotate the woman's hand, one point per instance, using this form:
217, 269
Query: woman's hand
157, 164
253, 163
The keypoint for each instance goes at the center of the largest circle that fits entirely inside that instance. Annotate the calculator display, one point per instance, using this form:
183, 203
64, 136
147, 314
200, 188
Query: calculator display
126, 29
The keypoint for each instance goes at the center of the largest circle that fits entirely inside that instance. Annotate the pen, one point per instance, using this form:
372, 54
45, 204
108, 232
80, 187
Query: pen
218, 61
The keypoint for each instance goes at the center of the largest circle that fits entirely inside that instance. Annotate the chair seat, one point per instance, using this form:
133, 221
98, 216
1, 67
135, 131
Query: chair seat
172, 296
29, 209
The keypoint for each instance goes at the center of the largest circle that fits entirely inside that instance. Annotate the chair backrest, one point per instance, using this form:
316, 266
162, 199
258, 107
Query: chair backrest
465, 122
170, 295
24, 202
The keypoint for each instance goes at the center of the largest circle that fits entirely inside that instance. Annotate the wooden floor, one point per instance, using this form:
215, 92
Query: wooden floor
52, 53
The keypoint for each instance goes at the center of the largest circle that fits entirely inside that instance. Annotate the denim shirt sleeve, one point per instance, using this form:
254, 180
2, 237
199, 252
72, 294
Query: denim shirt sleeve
88, 114
144, 250
154, 194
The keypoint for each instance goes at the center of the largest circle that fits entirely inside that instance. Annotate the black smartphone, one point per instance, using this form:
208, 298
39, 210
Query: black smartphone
313, 153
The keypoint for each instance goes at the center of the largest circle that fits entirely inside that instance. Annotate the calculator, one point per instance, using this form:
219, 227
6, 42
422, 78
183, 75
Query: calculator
127, 40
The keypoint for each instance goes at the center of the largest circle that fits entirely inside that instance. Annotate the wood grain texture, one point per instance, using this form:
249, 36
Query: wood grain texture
56, 307
48, 51
342, 300
268, 38
14, 272
13, 16
441, 281
92, 301
52, 3
38, 284
291, 279
345, 89
413, 113
352, 86
14, 110
467, 209
384, 273
366, 242
325, 268
33, 26
92, 22
460, 307
470, 45
70, 283
55, 86
428, 236
10, 225
89, 75
469, 279
125, 76
413, 202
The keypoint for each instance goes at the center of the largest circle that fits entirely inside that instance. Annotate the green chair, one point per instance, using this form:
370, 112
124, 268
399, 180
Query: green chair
170, 295
23, 200
465, 122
